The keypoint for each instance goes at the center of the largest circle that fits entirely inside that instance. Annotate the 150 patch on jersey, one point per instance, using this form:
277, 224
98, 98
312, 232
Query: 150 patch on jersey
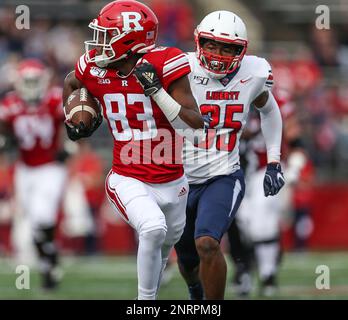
98, 72
201, 80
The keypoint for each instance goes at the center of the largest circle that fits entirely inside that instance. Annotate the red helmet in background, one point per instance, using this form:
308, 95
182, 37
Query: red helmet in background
32, 80
121, 29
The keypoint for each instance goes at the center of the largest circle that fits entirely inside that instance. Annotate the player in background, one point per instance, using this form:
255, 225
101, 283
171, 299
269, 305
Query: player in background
32, 114
224, 83
145, 95
255, 237
6, 198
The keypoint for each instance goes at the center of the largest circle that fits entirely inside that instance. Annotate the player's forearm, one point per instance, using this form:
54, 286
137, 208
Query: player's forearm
177, 104
272, 127
191, 117
71, 83
172, 109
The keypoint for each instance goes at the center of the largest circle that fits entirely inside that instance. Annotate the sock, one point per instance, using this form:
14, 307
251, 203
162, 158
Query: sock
44, 242
48, 256
149, 263
267, 256
196, 291
240, 249
165, 251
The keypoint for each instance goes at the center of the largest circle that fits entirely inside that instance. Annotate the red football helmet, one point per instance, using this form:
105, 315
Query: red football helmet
32, 80
121, 29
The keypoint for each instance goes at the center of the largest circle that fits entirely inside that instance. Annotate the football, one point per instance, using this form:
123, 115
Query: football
81, 106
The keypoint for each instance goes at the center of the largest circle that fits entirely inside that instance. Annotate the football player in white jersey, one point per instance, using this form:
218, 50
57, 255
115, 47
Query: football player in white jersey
224, 83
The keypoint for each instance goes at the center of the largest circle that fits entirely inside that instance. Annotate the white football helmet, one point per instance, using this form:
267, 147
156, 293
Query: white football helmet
222, 26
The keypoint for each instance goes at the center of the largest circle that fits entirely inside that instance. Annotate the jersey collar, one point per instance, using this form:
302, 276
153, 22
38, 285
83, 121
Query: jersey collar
227, 79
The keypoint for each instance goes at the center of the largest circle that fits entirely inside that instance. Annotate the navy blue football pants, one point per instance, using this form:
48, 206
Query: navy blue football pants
211, 207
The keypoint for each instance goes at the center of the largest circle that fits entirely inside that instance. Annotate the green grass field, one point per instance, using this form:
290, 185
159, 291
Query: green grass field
115, 278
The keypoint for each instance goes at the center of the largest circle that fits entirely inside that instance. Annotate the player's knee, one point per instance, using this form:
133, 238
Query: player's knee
43, 234
151, 223
207, 247
187, 256
174, 234
154, 237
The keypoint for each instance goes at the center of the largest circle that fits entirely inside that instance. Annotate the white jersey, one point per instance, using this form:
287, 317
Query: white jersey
227, 101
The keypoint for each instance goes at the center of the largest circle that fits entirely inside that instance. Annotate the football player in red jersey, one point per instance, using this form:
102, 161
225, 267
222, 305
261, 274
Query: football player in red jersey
32, 113
145, 96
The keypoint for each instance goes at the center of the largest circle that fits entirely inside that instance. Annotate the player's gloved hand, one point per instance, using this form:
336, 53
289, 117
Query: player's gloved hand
61, 156
274, 179
81, 131
148, 78
207, 119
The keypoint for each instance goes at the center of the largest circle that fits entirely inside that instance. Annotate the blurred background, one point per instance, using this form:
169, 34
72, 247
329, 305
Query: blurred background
310, 68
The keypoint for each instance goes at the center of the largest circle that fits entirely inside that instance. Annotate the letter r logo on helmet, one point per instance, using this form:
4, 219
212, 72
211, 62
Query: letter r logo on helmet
131, 18
122, 28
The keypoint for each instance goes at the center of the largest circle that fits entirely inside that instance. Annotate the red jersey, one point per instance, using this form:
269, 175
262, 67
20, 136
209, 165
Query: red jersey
142, 134
35, 127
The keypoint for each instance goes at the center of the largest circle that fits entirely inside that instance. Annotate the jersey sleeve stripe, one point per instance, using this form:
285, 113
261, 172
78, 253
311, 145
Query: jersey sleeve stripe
186, 64
174, 58
79, 68
174, 64
82, 64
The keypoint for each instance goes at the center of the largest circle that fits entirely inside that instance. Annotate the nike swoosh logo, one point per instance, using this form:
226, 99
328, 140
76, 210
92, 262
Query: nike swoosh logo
280, 176
244, 80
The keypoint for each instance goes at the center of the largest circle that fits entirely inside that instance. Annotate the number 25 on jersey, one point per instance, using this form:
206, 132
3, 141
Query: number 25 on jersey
228, 128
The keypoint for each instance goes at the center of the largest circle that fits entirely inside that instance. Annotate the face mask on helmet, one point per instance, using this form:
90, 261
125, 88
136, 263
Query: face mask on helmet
220, 64
101, 45
225, 29
122, 29
32, 81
